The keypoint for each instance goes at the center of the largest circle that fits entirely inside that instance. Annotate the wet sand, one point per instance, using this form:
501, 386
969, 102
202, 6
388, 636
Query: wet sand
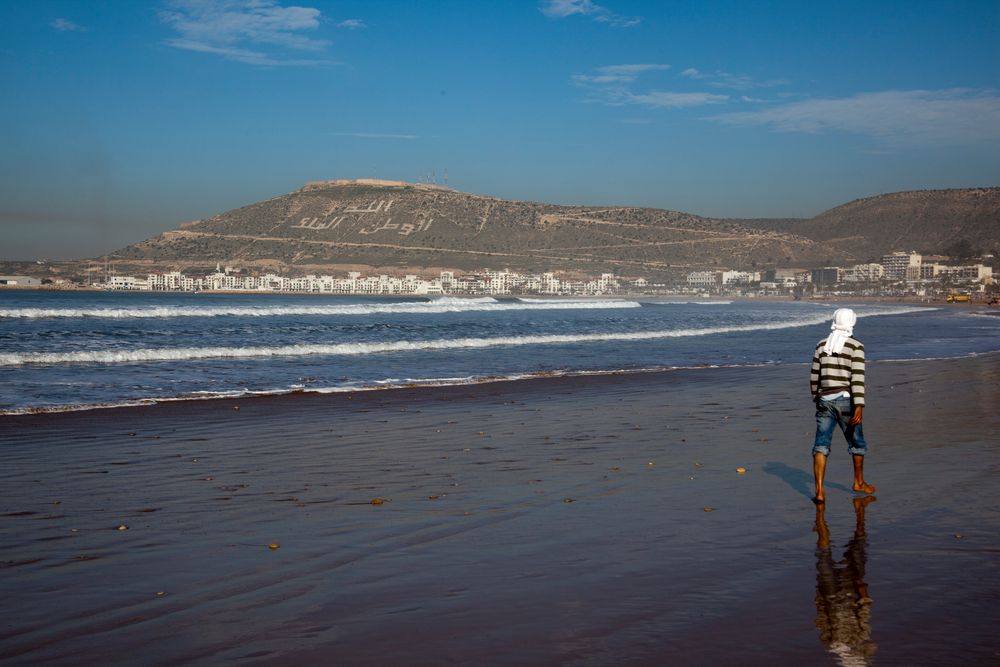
551, 521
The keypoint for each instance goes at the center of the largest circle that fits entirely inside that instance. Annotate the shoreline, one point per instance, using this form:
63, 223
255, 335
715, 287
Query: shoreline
429, 385
591, 520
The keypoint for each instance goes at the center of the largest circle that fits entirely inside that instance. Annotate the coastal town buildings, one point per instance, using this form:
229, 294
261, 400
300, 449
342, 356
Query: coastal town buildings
486, 282
899, 274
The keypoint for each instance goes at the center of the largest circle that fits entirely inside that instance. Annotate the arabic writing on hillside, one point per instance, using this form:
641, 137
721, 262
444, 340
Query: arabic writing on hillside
382, 206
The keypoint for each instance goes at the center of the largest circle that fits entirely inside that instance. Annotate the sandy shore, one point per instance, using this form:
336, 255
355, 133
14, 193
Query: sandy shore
553, 521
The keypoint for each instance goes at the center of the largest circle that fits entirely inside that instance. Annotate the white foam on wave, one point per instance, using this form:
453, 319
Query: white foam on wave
442, 305
690, 303
357, 348
525, 299
181, 354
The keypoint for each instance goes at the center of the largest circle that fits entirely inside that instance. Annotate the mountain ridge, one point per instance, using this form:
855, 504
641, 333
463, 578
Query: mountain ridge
381, 224
375, 225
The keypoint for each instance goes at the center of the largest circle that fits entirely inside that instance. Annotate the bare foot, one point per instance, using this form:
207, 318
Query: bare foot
864, 487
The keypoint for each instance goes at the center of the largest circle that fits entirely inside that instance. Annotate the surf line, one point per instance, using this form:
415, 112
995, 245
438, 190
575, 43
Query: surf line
432, 307
354, 349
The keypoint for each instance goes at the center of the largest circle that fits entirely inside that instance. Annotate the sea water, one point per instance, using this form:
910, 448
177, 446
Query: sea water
80, 350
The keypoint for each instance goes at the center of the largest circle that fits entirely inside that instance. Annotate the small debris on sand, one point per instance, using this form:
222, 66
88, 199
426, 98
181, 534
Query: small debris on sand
377, 501
741, 471
708, 509
273, 546
122, 527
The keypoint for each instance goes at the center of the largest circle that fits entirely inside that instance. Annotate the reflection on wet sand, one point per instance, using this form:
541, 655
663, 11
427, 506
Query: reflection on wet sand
843, 605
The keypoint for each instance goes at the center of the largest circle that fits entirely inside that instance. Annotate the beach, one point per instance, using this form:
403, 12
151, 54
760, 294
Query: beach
571, 520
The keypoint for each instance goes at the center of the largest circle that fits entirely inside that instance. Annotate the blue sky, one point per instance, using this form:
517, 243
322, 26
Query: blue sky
122, 119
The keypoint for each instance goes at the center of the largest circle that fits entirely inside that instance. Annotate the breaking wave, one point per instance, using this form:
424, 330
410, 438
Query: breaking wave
444, 305
357, 348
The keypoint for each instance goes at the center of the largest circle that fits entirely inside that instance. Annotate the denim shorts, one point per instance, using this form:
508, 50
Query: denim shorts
833, 413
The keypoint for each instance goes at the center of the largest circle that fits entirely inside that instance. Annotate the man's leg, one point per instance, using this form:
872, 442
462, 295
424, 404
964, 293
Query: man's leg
826, 420
858, 447
860, 484
819, 471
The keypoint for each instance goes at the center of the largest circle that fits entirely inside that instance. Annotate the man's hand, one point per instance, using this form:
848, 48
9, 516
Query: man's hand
856, 417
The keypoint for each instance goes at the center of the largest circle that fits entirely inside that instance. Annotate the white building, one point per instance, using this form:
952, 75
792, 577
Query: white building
902, 265
739, 277
128, 283
704, 278
971, 273
862, 273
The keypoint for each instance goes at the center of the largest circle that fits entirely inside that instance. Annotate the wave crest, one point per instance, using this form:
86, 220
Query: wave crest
353, 349
442, 305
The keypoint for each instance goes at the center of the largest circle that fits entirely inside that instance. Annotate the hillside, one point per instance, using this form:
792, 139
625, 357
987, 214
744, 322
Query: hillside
334, 225
391, 226
928, 221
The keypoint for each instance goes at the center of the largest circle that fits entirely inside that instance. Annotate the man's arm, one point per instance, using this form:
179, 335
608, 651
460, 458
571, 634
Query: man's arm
814, 374
857, 416
858, 383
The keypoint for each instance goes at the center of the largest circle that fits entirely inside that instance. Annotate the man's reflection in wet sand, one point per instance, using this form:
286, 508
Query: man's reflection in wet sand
843, 606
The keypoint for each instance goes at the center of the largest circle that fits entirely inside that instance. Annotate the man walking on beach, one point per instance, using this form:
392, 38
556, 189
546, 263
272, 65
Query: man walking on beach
837, 382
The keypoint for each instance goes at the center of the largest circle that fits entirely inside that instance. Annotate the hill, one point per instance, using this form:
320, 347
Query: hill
392, 226
365, 224
929, 221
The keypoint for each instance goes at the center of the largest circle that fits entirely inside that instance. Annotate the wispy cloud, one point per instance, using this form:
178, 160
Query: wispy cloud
65, 25
373, 135
612, 85
661, 99
899, 117
611, 74
723, 79
560, 9
352, 24
256, 32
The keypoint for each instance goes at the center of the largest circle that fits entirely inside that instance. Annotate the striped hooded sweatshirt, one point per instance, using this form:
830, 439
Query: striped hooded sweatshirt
845, 370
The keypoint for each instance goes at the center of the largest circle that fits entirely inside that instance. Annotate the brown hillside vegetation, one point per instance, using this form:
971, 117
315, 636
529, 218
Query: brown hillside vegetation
928, 221
334, 224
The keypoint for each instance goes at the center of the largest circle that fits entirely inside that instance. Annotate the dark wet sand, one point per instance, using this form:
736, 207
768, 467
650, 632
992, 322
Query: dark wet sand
477, 557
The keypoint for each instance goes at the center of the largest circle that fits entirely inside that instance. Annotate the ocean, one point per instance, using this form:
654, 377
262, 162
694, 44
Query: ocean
85, 350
